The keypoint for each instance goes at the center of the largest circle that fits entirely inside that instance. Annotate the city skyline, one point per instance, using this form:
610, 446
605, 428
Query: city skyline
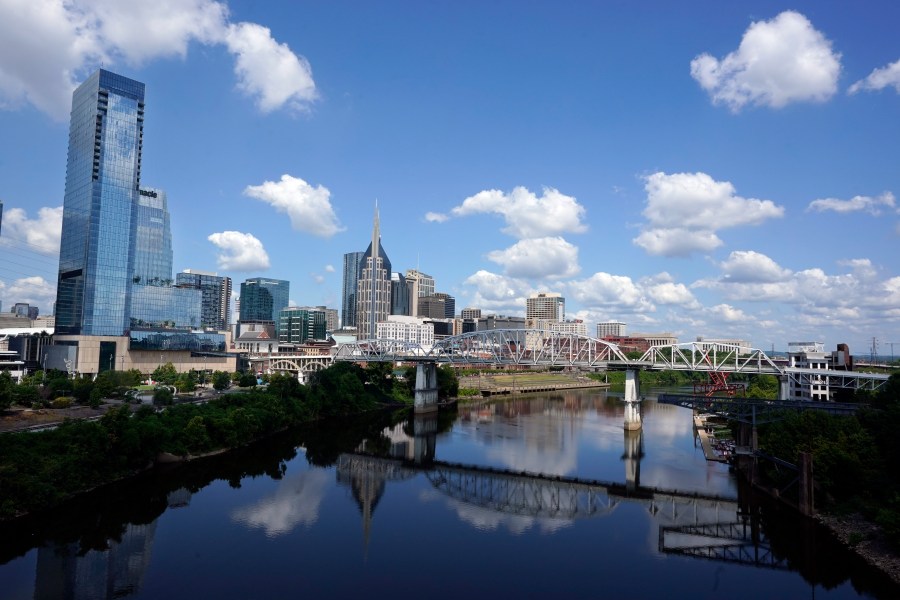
670, 167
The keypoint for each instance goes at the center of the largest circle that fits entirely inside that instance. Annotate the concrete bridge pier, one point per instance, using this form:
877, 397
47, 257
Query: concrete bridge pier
632, 454
424, 433
784, 387
632, 400
426, 392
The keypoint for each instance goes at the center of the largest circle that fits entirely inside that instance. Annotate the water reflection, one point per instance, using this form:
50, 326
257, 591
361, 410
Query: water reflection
295, 502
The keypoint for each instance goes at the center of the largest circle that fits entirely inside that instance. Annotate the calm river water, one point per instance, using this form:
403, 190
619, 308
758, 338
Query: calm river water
545, 496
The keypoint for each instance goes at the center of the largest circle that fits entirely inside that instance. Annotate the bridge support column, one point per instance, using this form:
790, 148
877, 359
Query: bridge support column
426, 394
784, 387
632, 400
633, 452
424, 430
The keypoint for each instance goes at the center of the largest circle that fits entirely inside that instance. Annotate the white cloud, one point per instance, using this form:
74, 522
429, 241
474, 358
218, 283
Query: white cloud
747, 266
778, 62
550, 257
684, 210
526, 215
47, 46
677, 242
497, 293
240, 251
329, 268
41, 234
308, 207
868, 204
603, 290
433, 217
669, 292
728, 313
34, 290
295, 502
269, 71
879, 79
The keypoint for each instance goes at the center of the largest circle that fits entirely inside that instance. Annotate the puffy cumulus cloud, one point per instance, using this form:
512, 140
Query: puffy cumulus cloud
550, 257
239, 251
778, 62
879, 79
41, 234
34, 290
47, 46
269, 71
726, 312
497, 293
677, 241
669, 292
526, 214
295, 503
873, 206
329, 268
433, 217
308, 207
684, 210
861, 268
752, 267
603, 290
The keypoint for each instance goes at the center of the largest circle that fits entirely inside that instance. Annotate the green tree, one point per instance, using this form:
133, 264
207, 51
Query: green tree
6, 387
221, 380
379, 376
25, 395
448, 383
165, 374
162, 395
247, 380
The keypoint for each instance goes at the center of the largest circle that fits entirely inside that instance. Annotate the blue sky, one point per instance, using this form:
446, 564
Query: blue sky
705, 168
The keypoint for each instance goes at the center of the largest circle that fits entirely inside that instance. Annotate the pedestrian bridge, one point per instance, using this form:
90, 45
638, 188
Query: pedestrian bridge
541, 348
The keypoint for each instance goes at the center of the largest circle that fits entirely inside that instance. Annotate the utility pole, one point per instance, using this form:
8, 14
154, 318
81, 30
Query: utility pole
891, 344
874, 350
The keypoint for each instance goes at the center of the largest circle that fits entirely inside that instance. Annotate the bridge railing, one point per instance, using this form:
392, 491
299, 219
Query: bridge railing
697, 356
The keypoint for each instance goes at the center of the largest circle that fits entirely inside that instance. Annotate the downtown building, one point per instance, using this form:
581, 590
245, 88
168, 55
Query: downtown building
350, 282
215, 299
116, 305
373, 297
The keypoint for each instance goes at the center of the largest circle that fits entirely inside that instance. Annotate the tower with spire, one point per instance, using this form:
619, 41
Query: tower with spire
373, 295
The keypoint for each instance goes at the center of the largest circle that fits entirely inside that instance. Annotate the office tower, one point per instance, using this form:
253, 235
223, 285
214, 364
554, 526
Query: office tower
331, 319
297, 325
215, 294
155, 302
470, 313
399, 295
545, 306
352, 261
103, 175
610, 329
263, 299
420, 284
373, 298
437, 306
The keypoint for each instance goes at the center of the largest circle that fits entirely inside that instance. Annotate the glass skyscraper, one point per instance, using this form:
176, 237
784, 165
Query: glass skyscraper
351, 282
216, 293
103, 174
263, 299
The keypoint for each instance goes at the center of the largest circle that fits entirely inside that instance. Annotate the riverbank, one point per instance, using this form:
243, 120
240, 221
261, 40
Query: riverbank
866, 540
713, 449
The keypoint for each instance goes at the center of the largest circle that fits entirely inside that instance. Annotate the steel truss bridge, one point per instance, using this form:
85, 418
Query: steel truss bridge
541, 348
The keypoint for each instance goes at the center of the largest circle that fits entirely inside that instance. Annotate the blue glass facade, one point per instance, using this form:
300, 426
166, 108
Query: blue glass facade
216, 293
177, 340
297, 325
351, 283
263, 299
103, 172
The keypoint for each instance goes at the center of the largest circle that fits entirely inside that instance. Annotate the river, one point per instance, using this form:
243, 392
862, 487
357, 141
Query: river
542, 496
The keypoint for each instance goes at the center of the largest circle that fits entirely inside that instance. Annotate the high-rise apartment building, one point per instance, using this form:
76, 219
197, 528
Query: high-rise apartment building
215, 296
419, 284
297, 325
352, 261
103, 175
263, 299
610, 329
545, 306
373, 298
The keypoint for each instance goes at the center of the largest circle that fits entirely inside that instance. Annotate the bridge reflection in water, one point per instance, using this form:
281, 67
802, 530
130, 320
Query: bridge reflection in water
691, 524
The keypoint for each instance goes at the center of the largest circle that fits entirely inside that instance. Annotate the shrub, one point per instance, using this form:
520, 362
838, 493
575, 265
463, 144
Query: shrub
62, 402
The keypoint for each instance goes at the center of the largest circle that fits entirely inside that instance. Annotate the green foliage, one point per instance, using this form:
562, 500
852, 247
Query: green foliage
163, 396
763, 386
61, 402
186, 382
247, 380
25, 395
6, 387
448, 382
221, 380
165, 374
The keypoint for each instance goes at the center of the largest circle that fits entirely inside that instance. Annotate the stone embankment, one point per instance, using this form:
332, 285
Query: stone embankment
866, 540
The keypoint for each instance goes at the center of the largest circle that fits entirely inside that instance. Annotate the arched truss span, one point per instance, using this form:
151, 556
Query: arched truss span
697, 356
526, 347
380, 350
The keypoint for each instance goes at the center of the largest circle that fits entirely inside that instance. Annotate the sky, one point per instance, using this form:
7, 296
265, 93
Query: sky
715, 169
